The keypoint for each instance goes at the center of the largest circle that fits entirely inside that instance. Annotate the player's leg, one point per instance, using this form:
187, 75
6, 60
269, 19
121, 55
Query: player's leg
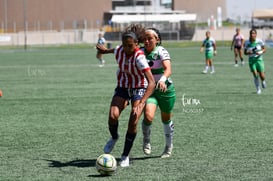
241, 56
137, 94
168, 127
260, 69
166, 104
236, 57
100, 58
211, 66
119, 102
206, 65
256, 81
149, 113
253, 69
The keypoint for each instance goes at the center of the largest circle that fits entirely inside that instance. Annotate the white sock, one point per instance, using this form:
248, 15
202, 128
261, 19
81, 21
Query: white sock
146, 130
212, 68
257, 83
169, 130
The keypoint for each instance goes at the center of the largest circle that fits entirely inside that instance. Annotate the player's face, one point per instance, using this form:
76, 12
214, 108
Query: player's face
150, 41
207, 34
253, 35
129, 46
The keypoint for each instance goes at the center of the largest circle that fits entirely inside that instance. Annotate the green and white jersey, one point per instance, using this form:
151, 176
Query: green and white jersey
155, 59
254, 47
208, 45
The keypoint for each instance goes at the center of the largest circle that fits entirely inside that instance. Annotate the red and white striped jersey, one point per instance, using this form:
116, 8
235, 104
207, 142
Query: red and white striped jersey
130, 73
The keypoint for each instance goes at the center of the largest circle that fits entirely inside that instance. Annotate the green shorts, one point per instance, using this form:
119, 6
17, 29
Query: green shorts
209, 55
165, 100
256, 65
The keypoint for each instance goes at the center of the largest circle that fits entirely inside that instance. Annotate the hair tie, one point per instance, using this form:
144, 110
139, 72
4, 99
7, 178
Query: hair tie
153, 32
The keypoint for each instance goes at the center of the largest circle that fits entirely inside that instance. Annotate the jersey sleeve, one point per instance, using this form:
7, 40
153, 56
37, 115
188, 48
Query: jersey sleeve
164, 54
261, 42
142, 63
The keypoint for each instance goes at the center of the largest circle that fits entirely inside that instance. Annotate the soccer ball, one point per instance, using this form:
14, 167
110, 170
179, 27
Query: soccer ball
106, 164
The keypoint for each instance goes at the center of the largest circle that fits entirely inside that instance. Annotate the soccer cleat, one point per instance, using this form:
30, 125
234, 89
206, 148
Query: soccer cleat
259, 91
242, 63
147, 148
167, 152
110, 145
236, 65
263, 84
212, 72
124, 161
205, 71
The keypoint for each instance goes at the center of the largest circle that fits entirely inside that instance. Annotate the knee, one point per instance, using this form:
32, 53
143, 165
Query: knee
148, 118
113, 117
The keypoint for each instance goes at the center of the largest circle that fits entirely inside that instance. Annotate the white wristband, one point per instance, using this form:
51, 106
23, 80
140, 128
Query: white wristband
162, 79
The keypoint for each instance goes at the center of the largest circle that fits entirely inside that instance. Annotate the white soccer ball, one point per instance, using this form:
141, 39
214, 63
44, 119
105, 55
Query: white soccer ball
106, 164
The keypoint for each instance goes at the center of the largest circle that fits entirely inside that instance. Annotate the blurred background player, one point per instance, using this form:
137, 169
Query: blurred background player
99, 56
255, 48
210, 50
237, 45
135, 83
164, 95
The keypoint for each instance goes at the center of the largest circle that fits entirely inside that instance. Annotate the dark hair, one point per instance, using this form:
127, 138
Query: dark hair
253, 29
135, 31
126, 35
158, 35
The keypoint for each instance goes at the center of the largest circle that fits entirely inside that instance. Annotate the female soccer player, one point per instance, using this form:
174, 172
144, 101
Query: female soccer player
135, 83
164, 95
255, 48
238, 43
99, 56
210, 49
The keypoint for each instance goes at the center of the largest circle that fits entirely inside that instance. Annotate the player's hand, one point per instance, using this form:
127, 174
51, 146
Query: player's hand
259, 52
161, 86
215, 53
137, 110
101, 48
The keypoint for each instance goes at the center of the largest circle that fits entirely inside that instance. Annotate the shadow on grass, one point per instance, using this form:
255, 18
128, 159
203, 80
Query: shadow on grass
81, 163
74, 163
144, 158
87, 163
132, 159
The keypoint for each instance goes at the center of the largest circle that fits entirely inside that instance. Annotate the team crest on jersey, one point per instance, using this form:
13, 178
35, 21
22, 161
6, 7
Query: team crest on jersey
155, 56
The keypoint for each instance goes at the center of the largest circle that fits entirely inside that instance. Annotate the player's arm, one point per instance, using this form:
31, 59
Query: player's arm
262, 51
103, 50
214, 49
167, 73
248, 51
137, 109
232, 43
202, 48
151, 85
243, 42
